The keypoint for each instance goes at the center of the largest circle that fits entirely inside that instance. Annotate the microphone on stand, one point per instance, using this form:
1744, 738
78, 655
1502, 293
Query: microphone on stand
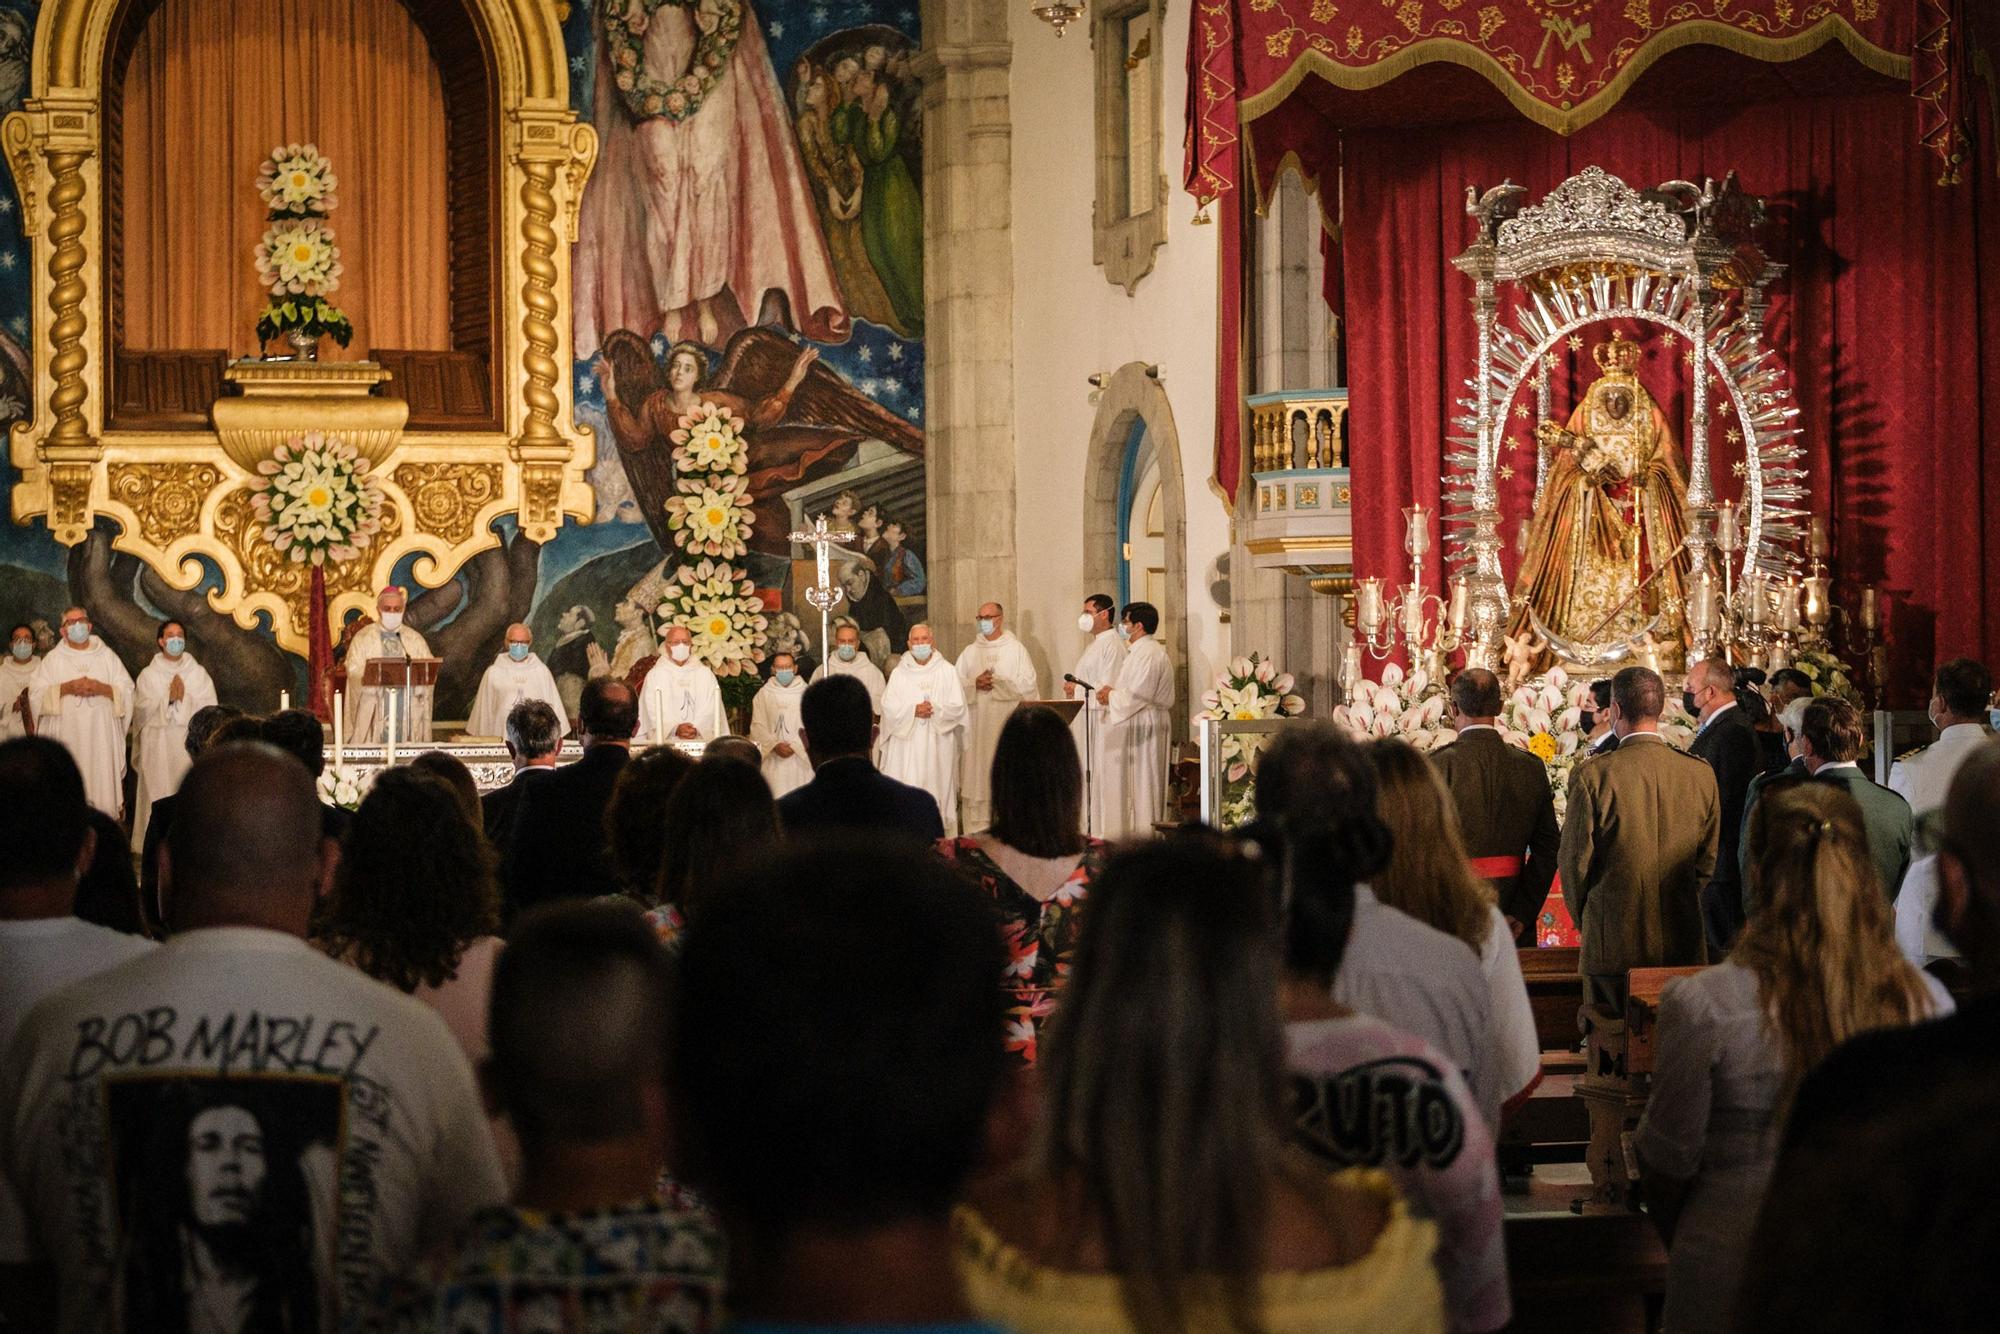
1075, 681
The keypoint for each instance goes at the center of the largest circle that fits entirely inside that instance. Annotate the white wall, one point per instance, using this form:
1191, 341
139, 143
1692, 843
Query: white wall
1070, 322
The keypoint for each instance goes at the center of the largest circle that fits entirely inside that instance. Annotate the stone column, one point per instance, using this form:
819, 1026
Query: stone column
968, 312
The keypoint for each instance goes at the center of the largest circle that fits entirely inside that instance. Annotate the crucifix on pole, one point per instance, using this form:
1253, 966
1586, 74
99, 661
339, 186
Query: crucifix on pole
826, 595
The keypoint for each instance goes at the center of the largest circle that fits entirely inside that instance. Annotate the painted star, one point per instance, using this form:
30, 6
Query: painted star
577, 64
1513, 443
7, 260
1549, 360
895, 351
866, 355
1671, 339
1688, 356
914, 412
777, 29
1521, 411
6, 204
1733, 436
870, 387
891, 385
1506, 472
1576, 342
1740, 468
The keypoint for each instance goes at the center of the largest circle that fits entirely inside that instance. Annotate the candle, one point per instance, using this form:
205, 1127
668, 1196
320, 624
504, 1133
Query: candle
1350, 669
1816, 540
1704, 601
1413, 612
1460, 594
1725, 529
658, 731
1788, 606
1417, 533
1368, 605
284, 700
1753, 599
1871, 609
391, 752
339, 728
1817, 592
1649, 654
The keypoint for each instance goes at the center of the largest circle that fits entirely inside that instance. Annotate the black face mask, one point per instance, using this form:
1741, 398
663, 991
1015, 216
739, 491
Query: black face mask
1687, 702
1586, 720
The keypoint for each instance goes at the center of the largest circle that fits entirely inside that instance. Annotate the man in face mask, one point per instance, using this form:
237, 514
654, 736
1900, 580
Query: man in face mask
170, 691
1960, 692
82, 697
17, 669
849, 659
681, 700
923, 724
515, 675
774, 727
995, 674
1097, 667
368, 706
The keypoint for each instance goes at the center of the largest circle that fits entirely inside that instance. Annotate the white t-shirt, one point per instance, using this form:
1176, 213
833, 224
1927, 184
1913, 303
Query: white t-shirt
1517, 1050
280, 1132
41, 956
1425, 982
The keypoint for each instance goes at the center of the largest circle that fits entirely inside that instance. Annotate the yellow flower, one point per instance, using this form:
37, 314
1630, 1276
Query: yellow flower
1542, 746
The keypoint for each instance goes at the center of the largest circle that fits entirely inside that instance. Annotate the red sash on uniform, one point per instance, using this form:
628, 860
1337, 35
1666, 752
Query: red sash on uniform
1495, 868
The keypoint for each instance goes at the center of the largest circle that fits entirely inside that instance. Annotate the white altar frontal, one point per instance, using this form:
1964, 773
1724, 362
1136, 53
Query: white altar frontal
348, 776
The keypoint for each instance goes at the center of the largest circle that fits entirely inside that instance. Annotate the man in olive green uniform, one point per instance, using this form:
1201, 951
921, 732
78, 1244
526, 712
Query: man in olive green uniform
1506, 812
1638, 843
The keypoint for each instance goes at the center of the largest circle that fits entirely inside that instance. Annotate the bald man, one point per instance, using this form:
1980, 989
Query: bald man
237, 1045
516, 675
368, 706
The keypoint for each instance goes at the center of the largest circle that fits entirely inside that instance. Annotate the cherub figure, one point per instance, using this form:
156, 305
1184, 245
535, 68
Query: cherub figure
1520, 655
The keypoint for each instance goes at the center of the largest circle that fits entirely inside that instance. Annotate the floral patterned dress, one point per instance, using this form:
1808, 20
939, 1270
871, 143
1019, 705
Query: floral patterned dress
1041, 935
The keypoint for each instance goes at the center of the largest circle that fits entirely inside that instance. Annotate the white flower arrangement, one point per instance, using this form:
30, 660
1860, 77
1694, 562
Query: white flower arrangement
1411, 707
1249, 689
723, 614
316, 500
298, 256
710, 440
1829, 676
297, 179
344, 785
711, 517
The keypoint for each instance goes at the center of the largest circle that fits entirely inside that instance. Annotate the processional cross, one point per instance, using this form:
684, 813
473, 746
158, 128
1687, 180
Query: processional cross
826, 595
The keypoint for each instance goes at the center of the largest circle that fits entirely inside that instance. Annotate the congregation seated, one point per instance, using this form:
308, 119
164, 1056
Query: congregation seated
847, 791
439, 942
227, 1074
1035, 864
1396, 968
635, 822
719, 819
1162, 1190
1432, 1141
1816, 965
1429, 877
1880, 1211
453, 772
581, 1007
830, 1115
558, 848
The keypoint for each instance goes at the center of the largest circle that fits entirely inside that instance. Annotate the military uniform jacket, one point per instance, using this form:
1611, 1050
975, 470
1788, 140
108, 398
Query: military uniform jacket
1638, 843
1885, 819
1505, 809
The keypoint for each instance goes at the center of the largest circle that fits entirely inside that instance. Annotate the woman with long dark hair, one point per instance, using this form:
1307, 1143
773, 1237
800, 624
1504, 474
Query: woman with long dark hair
1163, 1192
1035, 865
719, 818
1817, 964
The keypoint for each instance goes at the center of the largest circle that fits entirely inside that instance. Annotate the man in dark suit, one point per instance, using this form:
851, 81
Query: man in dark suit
534, 735
1829, 742
558, 848
1596, 720
1638, 844
837, 724
299, 733
1506, 811
1728, 741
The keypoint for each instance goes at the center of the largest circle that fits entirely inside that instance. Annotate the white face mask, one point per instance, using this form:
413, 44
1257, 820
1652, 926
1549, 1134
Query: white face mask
1086, 622
392, 620
986, 625
846, 652
678, 652
1126, 630
24, 649
78, 632
921, 652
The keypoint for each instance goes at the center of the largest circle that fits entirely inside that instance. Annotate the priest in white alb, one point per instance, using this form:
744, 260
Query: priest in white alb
774, 726
368, 706
995, 674
848, 659
1136, 714
681, 700
1097, 668
17, 671
170, 689
83, 696
517, 674
923, 724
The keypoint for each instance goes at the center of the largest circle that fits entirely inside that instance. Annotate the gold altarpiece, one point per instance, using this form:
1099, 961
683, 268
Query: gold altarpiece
179, 495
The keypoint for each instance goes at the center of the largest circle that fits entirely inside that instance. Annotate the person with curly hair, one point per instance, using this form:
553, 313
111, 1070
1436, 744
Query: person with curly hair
415, 903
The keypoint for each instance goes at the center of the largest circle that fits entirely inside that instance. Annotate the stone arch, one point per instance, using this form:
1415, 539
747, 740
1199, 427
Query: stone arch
1130, 396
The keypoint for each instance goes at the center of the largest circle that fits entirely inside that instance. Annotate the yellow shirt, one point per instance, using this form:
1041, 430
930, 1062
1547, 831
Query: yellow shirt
1391, 1290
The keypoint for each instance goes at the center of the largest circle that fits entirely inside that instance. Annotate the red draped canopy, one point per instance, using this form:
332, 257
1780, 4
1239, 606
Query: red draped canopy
1889, 315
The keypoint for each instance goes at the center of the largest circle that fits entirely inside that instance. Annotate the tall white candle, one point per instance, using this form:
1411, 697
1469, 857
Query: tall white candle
339, 728
284, 700
659, 732
1368, 604
392, 727
1413, 612
1461, 594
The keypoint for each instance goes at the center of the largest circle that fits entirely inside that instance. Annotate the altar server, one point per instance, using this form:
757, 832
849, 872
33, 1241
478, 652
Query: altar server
995, 674
681, 700
774, 726
83, 695
168, 693
1136, 732
17, 671
923, 724
368, 706
1096, 668
516, 675
847, 659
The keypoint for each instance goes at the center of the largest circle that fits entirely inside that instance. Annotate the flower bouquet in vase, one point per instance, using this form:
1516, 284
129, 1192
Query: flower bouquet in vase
1248, 690
297, 261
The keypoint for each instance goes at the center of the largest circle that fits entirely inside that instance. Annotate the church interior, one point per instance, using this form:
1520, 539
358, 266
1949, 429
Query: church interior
1407, 368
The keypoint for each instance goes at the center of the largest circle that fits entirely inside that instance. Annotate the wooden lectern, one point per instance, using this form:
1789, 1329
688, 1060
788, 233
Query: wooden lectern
403, 677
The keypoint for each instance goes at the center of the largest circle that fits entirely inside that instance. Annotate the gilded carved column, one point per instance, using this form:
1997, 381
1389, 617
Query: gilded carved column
68, 447
538, 298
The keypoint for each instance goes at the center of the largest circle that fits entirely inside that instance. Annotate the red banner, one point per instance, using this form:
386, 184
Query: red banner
1561, 63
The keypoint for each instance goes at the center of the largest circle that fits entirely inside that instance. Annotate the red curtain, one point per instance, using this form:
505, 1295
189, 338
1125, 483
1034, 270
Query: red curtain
1889, 319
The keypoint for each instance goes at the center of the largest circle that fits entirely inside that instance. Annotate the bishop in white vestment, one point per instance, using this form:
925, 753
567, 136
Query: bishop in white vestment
681, 699
1136, 714
17, 673
83, 695
847, 659
1097, 667
169, 691
368, 706
923, 720
774, 726
995, 674
516, 675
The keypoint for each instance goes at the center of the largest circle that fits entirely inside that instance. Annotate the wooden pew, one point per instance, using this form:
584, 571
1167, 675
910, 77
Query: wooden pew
1619, 1054
1555, 993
